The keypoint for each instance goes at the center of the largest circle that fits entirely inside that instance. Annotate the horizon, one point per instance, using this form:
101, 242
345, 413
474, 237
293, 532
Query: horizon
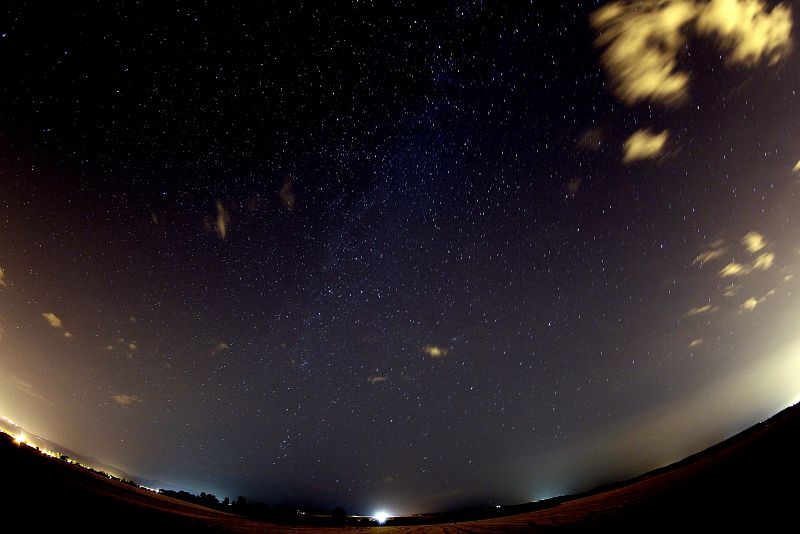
398, 256
21, 438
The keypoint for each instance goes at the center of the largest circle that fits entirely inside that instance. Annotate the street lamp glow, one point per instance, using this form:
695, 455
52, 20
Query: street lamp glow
380, 517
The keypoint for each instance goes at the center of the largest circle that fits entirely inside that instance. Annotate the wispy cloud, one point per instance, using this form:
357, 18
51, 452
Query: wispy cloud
592, 139
643, 144
223, 220
708, 308
709, 255
374, 379
734, 269
641, 41
286, 193
731, 290
27, 389
763, 262
751, 303
126, 400
2, 278
434, 351
221, 347
695, 343
53, 320
753, 242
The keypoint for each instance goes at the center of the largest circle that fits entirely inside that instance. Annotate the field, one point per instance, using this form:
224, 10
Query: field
748, 482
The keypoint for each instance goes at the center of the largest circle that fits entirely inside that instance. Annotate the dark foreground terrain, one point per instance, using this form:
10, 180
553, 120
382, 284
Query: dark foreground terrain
747, 483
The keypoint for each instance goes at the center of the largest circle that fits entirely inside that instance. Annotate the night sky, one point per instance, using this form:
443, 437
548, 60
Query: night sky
397, 255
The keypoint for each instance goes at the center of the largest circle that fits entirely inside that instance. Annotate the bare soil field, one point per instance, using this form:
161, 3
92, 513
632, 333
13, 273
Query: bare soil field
747, 483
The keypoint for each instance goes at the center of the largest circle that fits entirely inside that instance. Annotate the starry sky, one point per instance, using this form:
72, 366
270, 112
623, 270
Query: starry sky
392, 254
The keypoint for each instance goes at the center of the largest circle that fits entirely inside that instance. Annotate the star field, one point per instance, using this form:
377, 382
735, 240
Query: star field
397, 254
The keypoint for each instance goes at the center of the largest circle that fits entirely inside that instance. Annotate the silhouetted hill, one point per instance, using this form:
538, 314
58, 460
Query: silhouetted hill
745, 483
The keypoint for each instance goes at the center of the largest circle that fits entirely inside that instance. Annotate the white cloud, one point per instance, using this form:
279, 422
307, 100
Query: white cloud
126, 400
695, 343
642, 40
374, 379
796, 167
643, 144
2, 278
53, 320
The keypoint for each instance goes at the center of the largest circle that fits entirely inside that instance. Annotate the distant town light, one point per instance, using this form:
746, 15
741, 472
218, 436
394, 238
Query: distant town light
21, 439
380, 517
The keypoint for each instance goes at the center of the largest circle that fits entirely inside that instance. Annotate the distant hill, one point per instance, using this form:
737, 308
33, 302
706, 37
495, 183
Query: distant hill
746, 483
33, 440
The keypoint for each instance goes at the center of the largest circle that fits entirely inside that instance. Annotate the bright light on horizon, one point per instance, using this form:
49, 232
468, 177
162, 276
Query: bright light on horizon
20, 439
380, 517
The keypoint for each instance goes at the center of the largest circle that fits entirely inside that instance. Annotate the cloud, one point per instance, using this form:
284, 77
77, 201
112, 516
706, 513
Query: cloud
708, 308
126, 400
763, 262
221, 347
223, 219
68, 334
709, 255
751, 303
731, 290
641, 41
643, 144
573, 186
27, 389
753, 242
592, 139
2, 278
748, 30
286, 193
695, 343
374, 379
434, 351
53, 320
796, 167
734, 269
